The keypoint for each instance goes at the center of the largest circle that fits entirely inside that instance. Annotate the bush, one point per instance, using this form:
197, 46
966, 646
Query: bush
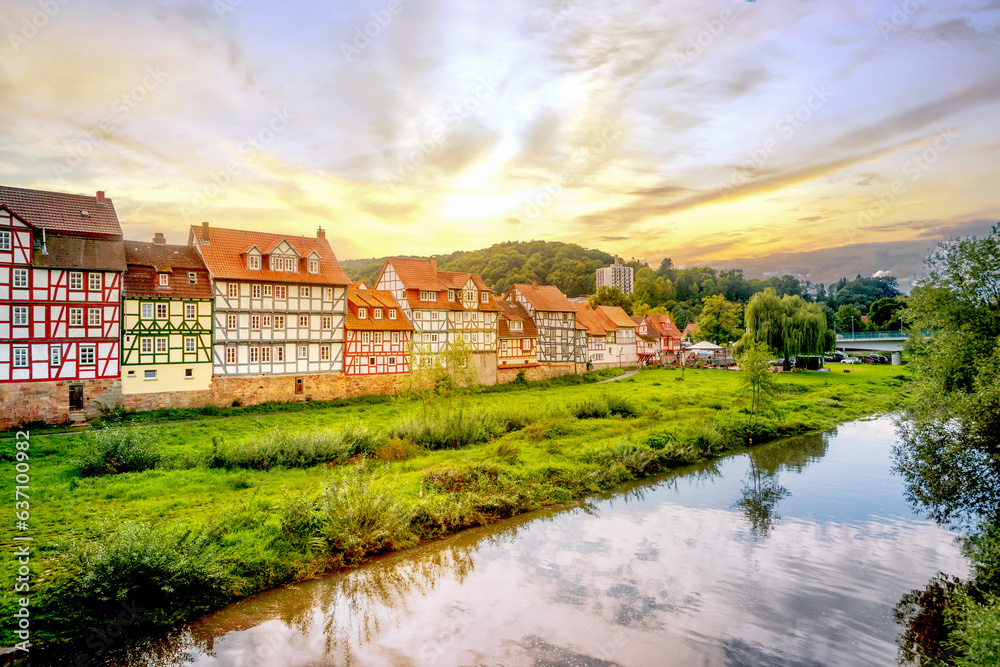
120, 449
275, 447
447, 428
397, 450
603, 406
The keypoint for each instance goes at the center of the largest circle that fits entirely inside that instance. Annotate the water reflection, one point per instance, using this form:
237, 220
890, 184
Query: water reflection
675, 571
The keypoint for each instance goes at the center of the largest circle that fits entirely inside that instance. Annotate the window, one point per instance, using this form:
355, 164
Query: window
267, 290
145, 345
475, 317
255, 291
255, 322
161, 345
324, 352
93, 317
427, 296
434, 338
485, 297
434, 315
88, 355
231, 321
364, 337
395, 336
525, 343
451, 295
290, 265
149, 375
20, 277
189, 343
418, 315
146, 311
188, 373
362, 313
161, 311
303, 352
392, 360
20, 316
377, 337
470, 295
392, 314
94, 282
20, 356
190, 311
516, 326
474, 338
371, 361
131, 374
279, 292
55, 355
465, 337
304, 291
164, 279
279, 321
231, 354
279, 354
328, 294
75, 280
253, 262
304, 321
377, 313
265, 355
254, 355
267, 321
5, 240
503, 345
192, 278
234, 290
313, 266
327, 322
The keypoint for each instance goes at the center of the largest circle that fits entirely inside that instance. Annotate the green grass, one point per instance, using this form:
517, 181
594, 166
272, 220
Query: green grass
281, 505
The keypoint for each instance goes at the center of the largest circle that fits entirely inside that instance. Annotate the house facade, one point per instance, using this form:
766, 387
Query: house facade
555, 320
61, 266
167, 337
596, 335
518, 346
476, 323
377, 334
621, 336
669, 335
279, 308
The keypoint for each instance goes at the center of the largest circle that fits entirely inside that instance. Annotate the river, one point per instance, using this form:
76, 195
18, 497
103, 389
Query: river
793, 554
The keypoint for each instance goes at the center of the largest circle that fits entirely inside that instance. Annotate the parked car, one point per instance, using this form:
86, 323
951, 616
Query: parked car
839, 356
851, 360
874, 359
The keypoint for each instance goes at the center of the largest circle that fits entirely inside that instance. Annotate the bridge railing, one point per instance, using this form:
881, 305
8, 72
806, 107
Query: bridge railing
871, 335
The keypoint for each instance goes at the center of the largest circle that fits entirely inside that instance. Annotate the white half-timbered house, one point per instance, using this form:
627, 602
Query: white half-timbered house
555, 320
423, 297
280, 302
621, 337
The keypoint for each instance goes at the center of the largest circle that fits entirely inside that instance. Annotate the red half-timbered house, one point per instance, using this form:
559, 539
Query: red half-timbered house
378, 334
517, 335
61, 263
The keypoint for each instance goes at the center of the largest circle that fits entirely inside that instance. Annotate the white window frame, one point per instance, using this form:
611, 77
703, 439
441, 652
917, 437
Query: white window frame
305, 292
395, 336
290, 265
145, 346
434, 314
362, 313
327, 294
255, 291
162, 308
164, 279
94, 281
20, 357
88, 352
377, 337
470, 295
377, 313
372, 361
525, 344
327, 322
5, 240
20, 316
190, 344
265, 355
232, 322
426, 295
313, 266
364, 337
192, 278
324, 353
20, 278
76, 281
230, 354
146, 311
161, 345
279, 322
303, 352
253, 262
485, 297
303, 321
266, 322
451, 295
516, 326
55, 355
149, 374
93, 317
190, 311
255, 322
392, 313
254, 354
234, 290
503, 346
392, 361
268, 290
279, 354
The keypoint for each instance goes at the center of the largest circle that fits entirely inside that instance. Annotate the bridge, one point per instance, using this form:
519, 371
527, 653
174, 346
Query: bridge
877, 341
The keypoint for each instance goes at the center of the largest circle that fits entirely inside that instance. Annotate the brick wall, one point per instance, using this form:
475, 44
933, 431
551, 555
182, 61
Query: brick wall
538, 372
22, 402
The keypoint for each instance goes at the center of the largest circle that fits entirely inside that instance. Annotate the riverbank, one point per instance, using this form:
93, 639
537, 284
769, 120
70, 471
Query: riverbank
184, 537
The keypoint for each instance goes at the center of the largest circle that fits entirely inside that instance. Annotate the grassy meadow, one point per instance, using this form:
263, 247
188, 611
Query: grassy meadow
219, 508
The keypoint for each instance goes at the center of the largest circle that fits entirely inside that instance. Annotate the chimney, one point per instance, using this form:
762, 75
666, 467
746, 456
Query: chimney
159, 239
320, 234
100, 197
534, 283
204, 234
434, 264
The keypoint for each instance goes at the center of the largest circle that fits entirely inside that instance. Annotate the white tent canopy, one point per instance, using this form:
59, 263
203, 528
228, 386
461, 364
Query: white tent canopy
705, 346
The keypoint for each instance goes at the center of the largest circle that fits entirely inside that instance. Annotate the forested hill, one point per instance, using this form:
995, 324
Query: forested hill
566, 265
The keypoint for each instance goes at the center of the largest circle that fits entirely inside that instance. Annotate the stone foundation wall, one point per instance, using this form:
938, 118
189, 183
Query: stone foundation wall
22, 402
167, 399
539, 372
256, 389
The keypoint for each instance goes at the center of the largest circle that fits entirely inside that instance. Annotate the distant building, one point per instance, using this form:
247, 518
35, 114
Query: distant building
616, 275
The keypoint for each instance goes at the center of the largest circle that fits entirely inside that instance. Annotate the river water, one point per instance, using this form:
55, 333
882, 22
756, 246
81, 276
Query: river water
793, 554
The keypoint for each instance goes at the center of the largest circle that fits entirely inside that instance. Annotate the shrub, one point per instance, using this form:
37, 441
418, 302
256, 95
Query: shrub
301, 523
275, 447
447, 428
397, 450
621, 406
604, 405
658, 441
120, 449
477, 477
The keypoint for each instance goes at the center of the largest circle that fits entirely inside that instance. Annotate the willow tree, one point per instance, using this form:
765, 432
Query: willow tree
788, 325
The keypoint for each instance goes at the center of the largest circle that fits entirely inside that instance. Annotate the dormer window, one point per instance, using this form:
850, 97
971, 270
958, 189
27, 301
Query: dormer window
484, 297
290, 265
392, 314
377, 313
253, 262
427, 296
516, 326
451, 295
313, 266
192, 278
362, 313
470, 295
164, 280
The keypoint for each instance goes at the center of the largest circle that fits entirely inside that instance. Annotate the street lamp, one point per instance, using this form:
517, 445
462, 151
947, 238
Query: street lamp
852, 326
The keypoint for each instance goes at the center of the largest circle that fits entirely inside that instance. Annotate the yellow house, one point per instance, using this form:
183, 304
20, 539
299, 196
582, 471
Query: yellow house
167, 337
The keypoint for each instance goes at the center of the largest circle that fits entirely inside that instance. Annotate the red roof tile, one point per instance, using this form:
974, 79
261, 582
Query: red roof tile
513, 311
586, 316
613, 317
663, 326
416, 274
546, 298
61, 212
223, 259
372, 299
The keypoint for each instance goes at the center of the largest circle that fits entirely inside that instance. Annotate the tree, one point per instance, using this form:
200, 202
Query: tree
756, 380
682, 315
849, 319
789, 325
719, 320
886, 313
611, 296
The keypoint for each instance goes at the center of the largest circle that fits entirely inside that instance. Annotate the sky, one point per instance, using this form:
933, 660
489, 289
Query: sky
818, 138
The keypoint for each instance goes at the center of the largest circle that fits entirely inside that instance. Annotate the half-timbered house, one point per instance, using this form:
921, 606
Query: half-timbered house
61, 265
596, 335
517, 335
167, 338
280, 302
423, 297
669, 337
378, 334
476, 323
621, 336
555, 320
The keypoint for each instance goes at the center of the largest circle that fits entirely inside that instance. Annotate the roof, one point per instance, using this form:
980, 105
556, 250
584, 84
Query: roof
161, 256
147, 260
372, 299
706, 346
586, 316
690, 327
61, 212
613, 317
77, 252
646, 337
513, 311
222, 256
663, 325
416, 274
546, 298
